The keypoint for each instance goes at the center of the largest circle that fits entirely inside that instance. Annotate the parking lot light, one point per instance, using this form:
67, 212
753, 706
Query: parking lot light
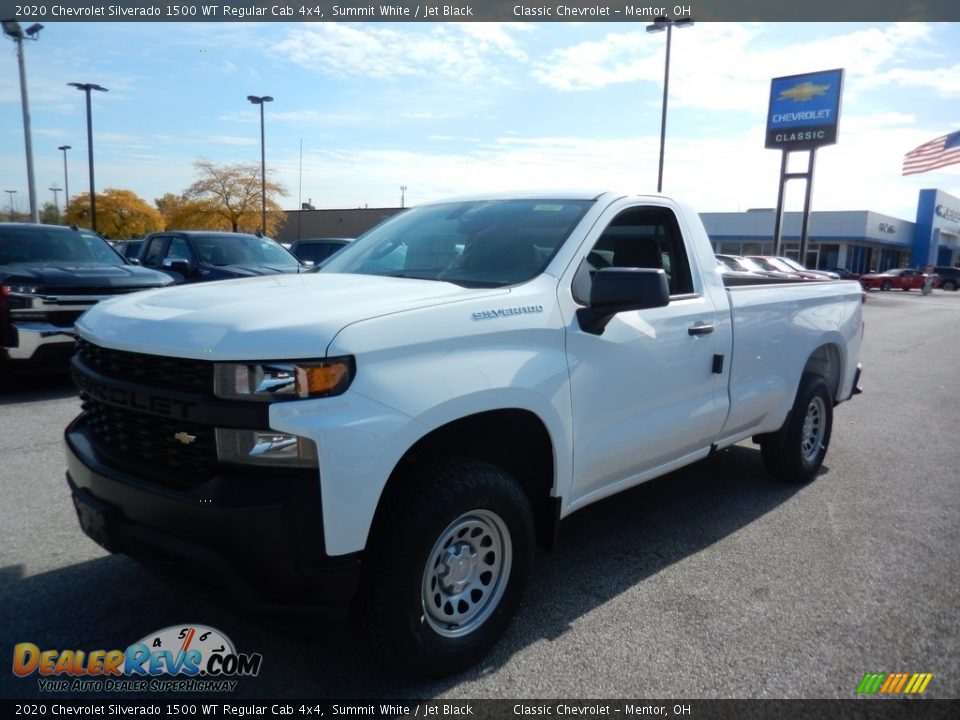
260, 100
87, 87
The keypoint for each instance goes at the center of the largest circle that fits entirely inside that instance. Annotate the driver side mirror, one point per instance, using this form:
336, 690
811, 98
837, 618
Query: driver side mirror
617, 290
178, 265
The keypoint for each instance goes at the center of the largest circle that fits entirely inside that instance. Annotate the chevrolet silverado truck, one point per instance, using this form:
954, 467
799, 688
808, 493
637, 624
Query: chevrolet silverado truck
400, 429
49, 275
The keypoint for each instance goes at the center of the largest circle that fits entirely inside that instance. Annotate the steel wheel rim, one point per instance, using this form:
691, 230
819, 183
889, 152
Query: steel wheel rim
466, 573
814, 429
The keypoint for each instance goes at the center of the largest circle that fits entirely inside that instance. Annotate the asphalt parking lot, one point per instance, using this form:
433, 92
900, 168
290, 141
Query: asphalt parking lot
712, 582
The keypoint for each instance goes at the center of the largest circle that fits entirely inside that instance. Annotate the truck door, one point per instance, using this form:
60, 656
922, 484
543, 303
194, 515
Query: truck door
646, 392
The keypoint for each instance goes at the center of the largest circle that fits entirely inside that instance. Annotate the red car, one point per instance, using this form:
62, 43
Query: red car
903, 278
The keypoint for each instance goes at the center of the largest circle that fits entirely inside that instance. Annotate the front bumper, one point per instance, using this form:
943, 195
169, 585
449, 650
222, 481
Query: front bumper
40, 341
252, 540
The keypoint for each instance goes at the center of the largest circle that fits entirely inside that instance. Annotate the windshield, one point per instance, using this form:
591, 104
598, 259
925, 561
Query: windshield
243, 250
750, 265
791, 263
485, 243
775, 263
32, 245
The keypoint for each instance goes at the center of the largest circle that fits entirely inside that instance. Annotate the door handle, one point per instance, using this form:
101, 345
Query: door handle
700, 328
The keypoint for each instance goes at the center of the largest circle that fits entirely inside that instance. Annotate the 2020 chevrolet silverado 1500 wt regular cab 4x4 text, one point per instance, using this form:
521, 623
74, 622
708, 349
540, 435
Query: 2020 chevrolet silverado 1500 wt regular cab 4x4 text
401, 428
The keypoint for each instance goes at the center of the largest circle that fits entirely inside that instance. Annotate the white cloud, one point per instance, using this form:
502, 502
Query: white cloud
460, 52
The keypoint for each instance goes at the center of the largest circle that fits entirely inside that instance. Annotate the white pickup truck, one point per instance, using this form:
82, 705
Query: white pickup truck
397, 431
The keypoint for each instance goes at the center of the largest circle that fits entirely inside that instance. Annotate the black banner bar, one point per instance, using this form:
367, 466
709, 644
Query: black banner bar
476, 10
865, 709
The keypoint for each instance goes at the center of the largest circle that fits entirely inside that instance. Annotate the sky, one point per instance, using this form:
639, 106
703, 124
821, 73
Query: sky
449, 109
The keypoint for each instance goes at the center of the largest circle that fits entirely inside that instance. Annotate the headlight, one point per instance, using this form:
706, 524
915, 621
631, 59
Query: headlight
283, 380
265, 447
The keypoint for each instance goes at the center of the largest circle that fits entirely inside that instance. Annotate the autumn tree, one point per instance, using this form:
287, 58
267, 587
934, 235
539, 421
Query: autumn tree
120, 214
228, 197
180, 213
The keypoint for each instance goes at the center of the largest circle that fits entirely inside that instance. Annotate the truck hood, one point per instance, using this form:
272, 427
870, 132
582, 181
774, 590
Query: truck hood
54, 277
275, 317
242, 271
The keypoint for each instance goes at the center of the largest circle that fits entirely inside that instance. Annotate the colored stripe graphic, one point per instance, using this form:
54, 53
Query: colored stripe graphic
918, 683
894, 683
871, 683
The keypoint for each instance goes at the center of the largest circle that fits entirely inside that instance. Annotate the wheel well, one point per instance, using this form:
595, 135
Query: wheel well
515, 440
825, 362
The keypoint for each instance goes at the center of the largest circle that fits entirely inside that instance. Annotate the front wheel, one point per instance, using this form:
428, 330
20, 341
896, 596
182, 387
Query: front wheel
795, 452
447, 566
886, 285
948, 285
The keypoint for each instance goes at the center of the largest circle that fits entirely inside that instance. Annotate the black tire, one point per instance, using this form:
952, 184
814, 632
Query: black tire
948, 285
886, 285
906, 289
449, 517
796, 451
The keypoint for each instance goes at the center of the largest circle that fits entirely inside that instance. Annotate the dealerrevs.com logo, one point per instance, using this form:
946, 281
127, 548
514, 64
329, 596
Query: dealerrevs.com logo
180, 658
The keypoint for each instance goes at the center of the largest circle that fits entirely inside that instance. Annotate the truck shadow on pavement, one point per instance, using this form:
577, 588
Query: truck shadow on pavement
16, 389
604, 550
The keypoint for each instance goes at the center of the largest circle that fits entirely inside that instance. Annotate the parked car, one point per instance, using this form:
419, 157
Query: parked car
905, 279
130, 249
49, 275
845, 274
745, 264
785, 264
773, 264
799, 268
948, 278
203, 255
316, 250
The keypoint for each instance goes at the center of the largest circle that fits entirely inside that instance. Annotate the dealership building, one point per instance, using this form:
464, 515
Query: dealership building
859, 240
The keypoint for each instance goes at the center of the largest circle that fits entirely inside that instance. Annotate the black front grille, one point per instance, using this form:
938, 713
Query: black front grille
185, 453
163, 372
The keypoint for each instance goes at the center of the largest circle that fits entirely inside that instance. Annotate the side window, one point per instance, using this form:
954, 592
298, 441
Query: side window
178, 250
314, 251
639, 237
154, 253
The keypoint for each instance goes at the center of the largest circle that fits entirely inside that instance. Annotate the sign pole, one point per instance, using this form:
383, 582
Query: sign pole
811, 162
778, 218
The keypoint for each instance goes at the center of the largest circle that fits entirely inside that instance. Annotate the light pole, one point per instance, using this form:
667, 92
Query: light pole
403, 195
87, 87
260, 100
659, 25
56, 205
12, 28
11, 193
66, 182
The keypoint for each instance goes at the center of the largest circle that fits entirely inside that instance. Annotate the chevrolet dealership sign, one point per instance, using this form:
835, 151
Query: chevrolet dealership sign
804, 110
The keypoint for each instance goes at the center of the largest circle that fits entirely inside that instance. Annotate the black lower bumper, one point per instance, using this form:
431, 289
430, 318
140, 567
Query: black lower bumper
247, 540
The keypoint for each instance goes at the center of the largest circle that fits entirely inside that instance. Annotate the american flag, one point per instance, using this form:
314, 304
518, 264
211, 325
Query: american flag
945, 150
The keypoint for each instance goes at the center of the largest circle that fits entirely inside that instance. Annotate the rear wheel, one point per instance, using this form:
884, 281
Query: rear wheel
447, 566
948, 285
795, 452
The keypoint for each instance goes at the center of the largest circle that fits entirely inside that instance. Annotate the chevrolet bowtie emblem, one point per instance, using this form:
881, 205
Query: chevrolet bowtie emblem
185, 438
803, 92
